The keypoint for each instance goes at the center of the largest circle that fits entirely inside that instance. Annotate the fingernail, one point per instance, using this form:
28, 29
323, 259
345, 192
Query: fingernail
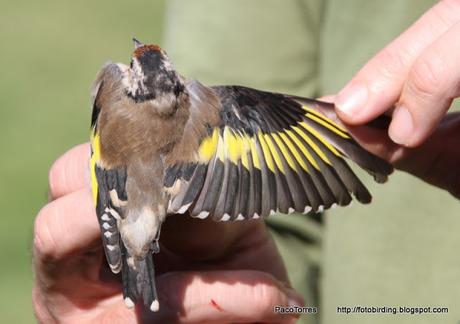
402, 126
352, 99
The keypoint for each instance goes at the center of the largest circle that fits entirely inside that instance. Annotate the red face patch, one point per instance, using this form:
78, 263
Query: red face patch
146, 48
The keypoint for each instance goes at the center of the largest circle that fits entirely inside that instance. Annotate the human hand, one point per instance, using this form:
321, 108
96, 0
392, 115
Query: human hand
419, 75
207, 272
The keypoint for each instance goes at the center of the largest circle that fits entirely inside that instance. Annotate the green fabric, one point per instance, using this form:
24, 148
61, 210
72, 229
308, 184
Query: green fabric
399, 251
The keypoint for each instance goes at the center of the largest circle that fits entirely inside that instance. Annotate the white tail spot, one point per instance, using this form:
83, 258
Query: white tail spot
155, 306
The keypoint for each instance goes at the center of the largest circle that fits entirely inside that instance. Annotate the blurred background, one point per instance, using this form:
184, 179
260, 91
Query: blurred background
50, 53
401, 251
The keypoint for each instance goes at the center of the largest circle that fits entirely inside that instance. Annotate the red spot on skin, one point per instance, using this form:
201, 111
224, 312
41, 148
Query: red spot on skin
146, 48
215, 305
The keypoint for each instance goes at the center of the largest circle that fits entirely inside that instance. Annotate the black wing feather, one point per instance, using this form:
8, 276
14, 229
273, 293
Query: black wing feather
108, 211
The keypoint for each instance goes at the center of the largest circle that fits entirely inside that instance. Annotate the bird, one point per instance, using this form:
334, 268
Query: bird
164, 144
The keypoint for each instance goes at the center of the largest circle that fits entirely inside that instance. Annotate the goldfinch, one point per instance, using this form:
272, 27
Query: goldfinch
163, 144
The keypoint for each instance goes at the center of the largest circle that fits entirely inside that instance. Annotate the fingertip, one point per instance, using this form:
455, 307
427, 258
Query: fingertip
401, 129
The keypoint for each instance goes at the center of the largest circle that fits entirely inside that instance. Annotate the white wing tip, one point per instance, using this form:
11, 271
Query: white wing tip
184, 208
307, 209
202, 215
225, 217
240, 217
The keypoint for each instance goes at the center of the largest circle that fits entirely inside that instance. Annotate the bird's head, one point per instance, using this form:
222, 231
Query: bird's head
151, 74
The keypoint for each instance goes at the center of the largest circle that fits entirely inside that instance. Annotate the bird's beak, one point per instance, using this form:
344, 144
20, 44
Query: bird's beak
137, 44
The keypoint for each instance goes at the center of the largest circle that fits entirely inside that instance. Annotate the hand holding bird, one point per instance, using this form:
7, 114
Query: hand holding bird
232, 272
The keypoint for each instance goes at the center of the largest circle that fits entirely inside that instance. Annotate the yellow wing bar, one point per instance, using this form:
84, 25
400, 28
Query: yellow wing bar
294, 145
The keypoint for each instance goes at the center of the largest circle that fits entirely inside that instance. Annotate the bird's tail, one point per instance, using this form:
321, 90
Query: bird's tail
139, 280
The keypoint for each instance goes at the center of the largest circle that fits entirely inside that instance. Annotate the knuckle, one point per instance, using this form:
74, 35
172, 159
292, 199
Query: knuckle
426, 77
44, 243
390, 63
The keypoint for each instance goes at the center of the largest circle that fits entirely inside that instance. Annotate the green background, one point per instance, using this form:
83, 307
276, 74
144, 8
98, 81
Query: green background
50, 52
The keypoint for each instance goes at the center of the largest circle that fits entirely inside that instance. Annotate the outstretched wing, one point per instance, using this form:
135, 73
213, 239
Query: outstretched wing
268, 152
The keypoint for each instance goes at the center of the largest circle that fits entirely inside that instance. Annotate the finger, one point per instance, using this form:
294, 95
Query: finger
223, 297
378, 85
432, 84
70, 172
65, 226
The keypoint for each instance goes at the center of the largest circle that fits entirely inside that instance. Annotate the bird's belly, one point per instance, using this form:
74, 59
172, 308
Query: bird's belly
138, 229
